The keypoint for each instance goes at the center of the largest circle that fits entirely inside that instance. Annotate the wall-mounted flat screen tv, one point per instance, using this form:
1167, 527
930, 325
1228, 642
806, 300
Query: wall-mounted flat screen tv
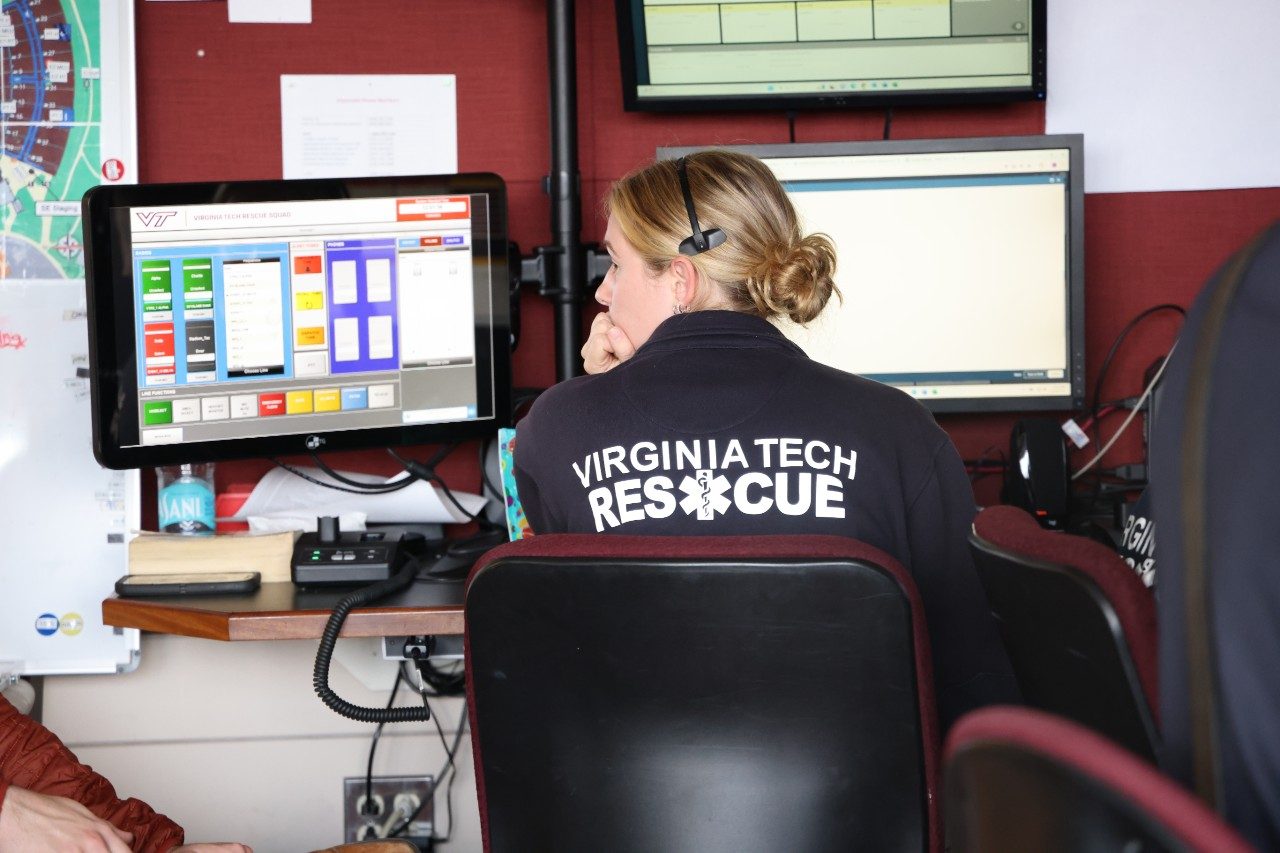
762, 54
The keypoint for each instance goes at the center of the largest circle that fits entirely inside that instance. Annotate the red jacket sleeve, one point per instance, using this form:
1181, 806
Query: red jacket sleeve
33, 758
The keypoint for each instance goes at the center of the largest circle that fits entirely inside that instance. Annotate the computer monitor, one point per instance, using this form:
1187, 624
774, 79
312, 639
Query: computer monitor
748, 54
960, 261
243, 319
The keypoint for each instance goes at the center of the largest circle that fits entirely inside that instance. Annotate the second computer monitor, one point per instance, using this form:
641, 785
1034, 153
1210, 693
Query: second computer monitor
960, 262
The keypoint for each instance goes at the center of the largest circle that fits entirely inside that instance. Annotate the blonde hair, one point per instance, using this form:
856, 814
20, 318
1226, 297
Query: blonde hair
765, 267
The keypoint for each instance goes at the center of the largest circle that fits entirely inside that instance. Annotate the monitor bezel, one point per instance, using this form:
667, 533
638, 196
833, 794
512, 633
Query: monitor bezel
112, 333
632, 102
1074, 143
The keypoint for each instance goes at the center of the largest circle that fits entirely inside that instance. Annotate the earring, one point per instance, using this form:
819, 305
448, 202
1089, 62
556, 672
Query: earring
677, 308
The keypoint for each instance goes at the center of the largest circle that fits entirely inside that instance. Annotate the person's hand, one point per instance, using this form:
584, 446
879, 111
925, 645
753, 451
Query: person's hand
40, 823
213, 847
607, 346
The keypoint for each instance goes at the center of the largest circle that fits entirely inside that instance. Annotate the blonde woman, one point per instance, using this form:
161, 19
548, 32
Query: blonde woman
699, 418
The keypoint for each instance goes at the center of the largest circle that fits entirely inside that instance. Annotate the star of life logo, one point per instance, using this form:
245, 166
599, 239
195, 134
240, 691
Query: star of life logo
706, 479
704, 496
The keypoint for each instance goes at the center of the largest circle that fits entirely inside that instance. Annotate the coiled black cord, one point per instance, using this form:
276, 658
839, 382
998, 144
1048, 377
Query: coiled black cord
324, 654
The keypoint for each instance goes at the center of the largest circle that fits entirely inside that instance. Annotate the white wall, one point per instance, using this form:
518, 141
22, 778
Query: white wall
1169, 96
229, 739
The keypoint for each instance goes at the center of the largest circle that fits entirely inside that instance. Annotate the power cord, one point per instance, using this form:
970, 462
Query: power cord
450, 767
991, 461
1132, 472
353, 487
443, 683
414, 471
1097, 410
426, 471
1115, 347
393, 486
1155, 380
373, 746
342, 483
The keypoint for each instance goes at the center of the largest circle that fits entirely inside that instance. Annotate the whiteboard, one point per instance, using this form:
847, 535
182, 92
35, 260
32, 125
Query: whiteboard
69, 117
64, 518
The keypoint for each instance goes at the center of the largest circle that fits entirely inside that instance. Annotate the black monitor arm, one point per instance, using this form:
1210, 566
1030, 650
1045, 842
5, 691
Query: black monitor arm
567, 268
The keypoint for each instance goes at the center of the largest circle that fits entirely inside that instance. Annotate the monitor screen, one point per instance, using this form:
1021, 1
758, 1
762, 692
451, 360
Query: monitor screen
749, 54
960, 261
239, 319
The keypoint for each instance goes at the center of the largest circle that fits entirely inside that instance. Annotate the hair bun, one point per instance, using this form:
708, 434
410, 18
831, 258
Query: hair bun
797, 280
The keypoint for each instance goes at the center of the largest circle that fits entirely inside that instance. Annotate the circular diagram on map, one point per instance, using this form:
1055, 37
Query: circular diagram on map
20, 258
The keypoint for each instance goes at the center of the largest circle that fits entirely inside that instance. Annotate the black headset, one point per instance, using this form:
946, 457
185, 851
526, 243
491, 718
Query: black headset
699, 241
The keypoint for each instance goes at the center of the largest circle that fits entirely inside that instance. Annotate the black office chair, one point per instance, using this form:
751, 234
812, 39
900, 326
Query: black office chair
1077, 623
702, 694
1020, 780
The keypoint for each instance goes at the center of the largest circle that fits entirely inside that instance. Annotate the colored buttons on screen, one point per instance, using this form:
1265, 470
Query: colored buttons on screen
355, 398
244, 405
156, 412
328, 400
270, 404
298, 402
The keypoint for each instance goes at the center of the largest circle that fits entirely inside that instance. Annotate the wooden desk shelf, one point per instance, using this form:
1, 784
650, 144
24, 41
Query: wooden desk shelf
281, 611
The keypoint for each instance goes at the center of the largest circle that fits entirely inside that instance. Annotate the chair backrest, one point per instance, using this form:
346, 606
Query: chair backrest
1017, 779
1077, 622
700, 694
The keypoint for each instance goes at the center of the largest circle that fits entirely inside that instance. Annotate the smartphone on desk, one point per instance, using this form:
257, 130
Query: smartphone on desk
206, 583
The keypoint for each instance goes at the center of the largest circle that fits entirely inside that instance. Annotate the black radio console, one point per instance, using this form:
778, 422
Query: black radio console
330, 556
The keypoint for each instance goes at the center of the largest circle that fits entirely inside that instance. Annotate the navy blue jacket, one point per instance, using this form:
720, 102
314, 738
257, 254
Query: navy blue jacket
1243, 545
720, 426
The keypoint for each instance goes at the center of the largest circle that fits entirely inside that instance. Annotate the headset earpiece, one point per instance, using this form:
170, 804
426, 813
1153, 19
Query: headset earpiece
699, 241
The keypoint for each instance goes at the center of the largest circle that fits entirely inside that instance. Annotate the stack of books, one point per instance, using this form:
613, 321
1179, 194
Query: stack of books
269, 554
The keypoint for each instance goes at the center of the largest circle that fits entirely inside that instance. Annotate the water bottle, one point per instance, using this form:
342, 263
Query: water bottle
185, 498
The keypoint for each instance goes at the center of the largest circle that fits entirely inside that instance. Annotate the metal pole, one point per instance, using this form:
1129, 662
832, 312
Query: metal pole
565, 273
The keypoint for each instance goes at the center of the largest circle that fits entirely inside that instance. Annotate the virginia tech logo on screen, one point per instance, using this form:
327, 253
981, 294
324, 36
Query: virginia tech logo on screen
154, 218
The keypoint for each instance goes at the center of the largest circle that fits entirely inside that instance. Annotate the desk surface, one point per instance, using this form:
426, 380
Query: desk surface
282, 611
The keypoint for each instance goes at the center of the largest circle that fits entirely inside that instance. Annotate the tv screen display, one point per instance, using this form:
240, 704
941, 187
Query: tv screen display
758, 54
240, 319
960, 262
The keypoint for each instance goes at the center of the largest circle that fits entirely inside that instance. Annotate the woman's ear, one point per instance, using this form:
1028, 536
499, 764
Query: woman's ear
687, 284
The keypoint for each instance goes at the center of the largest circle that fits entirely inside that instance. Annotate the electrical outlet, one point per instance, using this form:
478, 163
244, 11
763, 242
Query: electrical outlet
394, 798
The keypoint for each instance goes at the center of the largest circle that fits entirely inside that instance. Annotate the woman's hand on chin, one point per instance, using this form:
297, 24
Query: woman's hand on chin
607, 346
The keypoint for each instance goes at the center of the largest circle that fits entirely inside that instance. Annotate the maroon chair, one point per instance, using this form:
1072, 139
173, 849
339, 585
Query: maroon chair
1077, 622
1018, 779
700, 693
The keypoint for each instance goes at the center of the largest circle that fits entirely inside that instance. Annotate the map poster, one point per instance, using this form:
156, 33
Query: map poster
68, 122
68, 117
